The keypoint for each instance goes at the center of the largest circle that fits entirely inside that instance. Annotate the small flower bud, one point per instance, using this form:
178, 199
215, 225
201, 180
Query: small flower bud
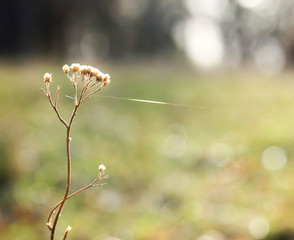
106, 79
65, 68
75, 67
47, 78
101, 168
49, 223
66, 232
68, 229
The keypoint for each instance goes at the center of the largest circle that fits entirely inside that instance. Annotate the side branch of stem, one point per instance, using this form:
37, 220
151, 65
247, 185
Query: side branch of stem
75, 193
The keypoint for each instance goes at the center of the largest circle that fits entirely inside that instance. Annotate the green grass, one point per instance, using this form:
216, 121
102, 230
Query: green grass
150, 194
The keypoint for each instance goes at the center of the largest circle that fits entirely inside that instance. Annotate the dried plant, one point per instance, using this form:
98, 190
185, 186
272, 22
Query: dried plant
86, 81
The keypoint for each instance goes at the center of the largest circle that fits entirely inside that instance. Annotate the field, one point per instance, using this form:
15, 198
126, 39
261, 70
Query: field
220, 167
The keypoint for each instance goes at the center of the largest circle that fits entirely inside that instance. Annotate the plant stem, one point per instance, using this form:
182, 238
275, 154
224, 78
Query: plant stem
68, 130
54, 106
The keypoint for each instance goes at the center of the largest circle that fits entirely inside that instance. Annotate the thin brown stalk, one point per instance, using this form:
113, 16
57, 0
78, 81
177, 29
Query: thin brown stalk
90, 94
68, 130
65, 235
85, 88
56, 110
74, 194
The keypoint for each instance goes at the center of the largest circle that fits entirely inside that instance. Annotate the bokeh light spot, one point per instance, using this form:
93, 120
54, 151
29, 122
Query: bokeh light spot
274, 158
174, 146
211, 8
269, 56
212, 235
259, 227
253, 4
203, 43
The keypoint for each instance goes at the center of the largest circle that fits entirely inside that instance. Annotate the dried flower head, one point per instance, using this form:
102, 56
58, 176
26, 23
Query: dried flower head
101, 168
75, 67
94, 71
83, 69
106, 79
88, 69
47, 78
100, 77
65, 68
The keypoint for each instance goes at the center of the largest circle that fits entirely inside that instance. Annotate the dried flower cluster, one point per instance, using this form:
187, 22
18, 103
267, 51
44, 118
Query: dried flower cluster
91, 80
86, 81
87, 73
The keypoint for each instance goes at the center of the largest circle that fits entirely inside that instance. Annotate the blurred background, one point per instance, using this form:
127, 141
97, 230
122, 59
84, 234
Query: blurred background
218, 169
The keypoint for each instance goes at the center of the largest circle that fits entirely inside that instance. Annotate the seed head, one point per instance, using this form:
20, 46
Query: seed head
47, 78
101, 168
94, 71
65, 68
100, 77
106, 79
88, 69
75, 67
83, 69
